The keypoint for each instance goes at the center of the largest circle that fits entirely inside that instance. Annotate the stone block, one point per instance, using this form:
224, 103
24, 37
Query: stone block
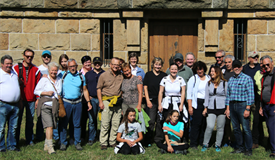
120, 54
251, 43
219, 4
16, 55
248, 4
95, 42
23, 41
67, 26
226, 39
96, 4
38, 26
4, 41
211, 32
106, 15
14, 3
211, 48
144, 67
265, 43
271, 54
265, 14
36, 3
256, 26
211, 14
90, 26
54, 41
80, 42
240, 14
209, 60
120, 35
143, 58
40, 14
271, 27
133, 48
132, 14
77, 55
133, 32
10, 25
12, 13
144, 37
75, 14
93, 54
200, 37
61, 3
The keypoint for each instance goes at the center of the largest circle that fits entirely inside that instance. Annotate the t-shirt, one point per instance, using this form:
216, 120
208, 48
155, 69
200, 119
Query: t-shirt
178, 127
227, 75
201, 89
43, 69
152, 81
172, 88
133, 130
130, 91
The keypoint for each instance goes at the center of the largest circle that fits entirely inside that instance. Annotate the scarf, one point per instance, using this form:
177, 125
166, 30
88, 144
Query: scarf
173, 124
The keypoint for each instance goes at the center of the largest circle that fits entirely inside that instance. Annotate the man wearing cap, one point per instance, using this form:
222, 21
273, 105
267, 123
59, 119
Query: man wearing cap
219, 60
46, 58
186, 73
91, 81
239, 98
9, 98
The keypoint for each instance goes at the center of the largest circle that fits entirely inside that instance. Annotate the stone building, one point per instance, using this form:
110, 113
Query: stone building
110, 28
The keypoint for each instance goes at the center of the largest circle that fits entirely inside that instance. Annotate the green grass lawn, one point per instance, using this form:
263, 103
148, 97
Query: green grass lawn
94, 152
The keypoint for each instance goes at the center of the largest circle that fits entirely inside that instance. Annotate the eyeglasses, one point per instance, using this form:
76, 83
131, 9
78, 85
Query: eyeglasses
255, 57
267, 65
29, 57
219, 57
115, 64
46, 56
72, 66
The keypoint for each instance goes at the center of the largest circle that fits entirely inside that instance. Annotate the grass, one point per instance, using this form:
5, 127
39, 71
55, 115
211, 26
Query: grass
94, 153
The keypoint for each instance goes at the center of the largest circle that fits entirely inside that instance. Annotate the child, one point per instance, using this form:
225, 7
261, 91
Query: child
129, 135
173, 131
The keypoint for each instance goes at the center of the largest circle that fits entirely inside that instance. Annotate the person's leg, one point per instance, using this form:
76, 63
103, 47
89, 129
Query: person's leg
234, 116
227, 132
63, 123
135, 150
92, 114
211, 119
56, 132
84, 117
246, 127
20, 115
77, 111
105, 124
115, 121
196, 126
30, 110
162, 146
181, 147
39, 130
186, 125
4, 110
202, 121
256, 121
13, 119
220, 129
270, 122
125, 149
159, 137
152, 113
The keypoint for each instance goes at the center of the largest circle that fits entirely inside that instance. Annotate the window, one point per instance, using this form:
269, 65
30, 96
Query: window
107, 40
240, 36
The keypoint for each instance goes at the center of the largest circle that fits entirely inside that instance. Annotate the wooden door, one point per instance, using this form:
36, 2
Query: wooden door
166, 38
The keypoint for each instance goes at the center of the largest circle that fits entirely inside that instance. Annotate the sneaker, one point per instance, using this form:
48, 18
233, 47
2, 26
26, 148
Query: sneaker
78, 146
218, 149
237, 151
113, 145
272, 155
63, 147
254, 146
90, 142
248, 153
103, 147
51, 150
204, 148
179, 152
162, 151
149, 145
15, 149
3, 150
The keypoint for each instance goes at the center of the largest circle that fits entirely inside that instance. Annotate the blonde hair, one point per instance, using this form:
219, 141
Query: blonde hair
156, 59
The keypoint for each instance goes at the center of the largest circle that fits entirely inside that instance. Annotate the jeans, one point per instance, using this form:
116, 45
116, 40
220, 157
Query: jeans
8, 113
92, 114
56, 131
257, 129
237, 118
74, 111
270, 123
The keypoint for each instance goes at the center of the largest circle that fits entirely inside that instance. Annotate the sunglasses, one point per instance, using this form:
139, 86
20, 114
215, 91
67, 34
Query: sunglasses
46, 56
219, 57
29, 57
267, 65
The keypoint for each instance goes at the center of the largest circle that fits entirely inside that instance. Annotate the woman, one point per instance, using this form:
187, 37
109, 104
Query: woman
215, 95
63, 59
48, 88
173, 131
174, 87
151, 90
87, 64
195, 97
133, 59
131, 89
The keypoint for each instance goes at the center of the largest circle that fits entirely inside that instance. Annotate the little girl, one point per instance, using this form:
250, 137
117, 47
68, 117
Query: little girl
129, 135
173, 131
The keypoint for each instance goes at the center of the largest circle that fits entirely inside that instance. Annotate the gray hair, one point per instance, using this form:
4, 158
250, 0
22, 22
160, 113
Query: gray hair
221, 51
190, 53
229, 56
53, 64
70, 60
267, 56
6, 57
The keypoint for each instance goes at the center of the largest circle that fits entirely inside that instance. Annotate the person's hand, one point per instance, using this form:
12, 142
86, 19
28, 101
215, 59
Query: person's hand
129, 143
45, 75
36, 104
246, 113
180, 108
50, 93
138, 108
190, 110
149, 104
132, 143
166, 128
227, 113
204, 112
261, 111
170, 149
101, 105
140, 78
90, 106
160, 108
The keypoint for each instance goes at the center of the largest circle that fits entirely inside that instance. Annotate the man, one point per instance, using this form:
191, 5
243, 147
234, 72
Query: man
268, 100
190, 59
9, 98
228, 60
186, 73
219, 60
91, 81
108, 91
29, 75
73, 83
239, 98
46, 58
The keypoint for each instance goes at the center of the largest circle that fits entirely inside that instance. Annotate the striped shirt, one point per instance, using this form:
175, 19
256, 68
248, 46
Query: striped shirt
240, 88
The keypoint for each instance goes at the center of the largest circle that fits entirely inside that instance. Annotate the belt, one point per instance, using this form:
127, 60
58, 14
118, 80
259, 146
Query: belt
72, 101
13, 104
237, 101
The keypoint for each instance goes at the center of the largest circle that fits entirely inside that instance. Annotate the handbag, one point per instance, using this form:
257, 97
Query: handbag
61, 109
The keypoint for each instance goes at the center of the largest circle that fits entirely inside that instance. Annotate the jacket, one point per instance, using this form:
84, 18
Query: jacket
27, 87
272, 98
220, 95
140, 72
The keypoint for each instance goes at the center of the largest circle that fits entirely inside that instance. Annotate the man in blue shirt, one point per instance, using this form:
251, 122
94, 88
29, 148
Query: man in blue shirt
73, 85
91, 81
240, 96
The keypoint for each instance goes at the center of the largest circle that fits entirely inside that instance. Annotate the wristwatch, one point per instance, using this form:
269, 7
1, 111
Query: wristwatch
248, 109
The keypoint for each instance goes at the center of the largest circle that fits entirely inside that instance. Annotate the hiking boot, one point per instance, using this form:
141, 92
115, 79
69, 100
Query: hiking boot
45, 147
237, 151
272, 155
162, 151
218, 149
204, 148
103, 147
78, 146
113, 145
63, 147
90, 142
248, 153
51, 149
254, 146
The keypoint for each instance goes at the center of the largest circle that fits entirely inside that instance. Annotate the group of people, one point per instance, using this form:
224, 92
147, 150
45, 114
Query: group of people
138, 109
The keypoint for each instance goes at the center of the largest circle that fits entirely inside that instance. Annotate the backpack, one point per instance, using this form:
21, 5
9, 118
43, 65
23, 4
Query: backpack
20, 66
80, 75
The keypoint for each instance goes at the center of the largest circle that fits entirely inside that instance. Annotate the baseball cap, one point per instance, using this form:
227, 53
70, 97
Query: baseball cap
236, 63
253, 54
46, 52
178, 56
97, 59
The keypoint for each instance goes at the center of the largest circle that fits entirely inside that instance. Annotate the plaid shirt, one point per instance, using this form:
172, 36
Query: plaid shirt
240, 88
